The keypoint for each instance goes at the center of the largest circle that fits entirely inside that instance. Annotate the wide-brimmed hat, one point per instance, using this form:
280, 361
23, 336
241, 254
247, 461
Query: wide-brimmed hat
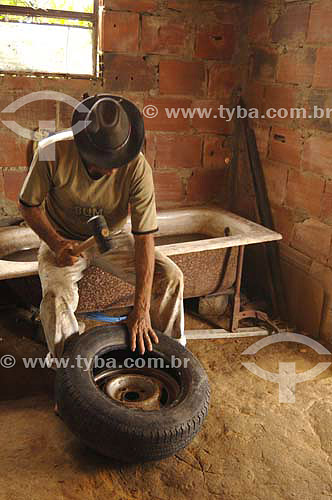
113, 131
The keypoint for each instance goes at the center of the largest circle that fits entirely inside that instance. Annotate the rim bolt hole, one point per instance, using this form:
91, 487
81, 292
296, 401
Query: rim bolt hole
131, 396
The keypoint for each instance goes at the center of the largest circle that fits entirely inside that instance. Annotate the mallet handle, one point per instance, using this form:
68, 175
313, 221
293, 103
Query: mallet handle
90, 242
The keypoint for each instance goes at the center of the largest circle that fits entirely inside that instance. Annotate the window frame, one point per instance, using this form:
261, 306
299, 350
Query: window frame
92, 17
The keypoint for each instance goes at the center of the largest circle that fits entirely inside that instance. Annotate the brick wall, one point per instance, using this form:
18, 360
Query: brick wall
290, 47
14, 150
177, 54
161, 52
189, 53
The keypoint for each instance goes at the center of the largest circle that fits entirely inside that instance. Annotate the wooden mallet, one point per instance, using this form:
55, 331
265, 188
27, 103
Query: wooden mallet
101, 236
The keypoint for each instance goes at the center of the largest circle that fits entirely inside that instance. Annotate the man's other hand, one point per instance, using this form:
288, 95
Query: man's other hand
141, 332
66, 252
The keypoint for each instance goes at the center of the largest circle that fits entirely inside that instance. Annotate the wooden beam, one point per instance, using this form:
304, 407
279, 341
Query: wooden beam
64, 14
225, 334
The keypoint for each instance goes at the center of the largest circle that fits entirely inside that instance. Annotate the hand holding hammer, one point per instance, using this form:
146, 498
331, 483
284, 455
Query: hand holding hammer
69, 250
100, 236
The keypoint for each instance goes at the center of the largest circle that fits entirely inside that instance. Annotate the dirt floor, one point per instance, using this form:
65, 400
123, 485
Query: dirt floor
251, 446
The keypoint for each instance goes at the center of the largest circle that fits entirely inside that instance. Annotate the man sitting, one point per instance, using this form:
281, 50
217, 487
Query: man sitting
101, 171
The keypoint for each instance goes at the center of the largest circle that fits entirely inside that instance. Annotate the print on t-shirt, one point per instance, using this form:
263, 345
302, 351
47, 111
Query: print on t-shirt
88, 211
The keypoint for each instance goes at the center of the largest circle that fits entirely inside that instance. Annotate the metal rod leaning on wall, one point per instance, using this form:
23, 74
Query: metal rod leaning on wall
233, 167
237, 294
264, 210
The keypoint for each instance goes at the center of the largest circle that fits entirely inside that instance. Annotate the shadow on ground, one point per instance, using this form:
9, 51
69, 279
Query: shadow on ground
251, 446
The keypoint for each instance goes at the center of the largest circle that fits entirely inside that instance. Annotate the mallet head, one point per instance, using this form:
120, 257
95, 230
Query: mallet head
100, 231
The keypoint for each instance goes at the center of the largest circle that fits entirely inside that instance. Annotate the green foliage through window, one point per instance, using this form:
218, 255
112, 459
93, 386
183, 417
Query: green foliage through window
48, 44
71, 5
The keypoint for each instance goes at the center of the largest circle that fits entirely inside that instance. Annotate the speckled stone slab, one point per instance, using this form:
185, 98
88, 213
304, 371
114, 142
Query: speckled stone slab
203, 273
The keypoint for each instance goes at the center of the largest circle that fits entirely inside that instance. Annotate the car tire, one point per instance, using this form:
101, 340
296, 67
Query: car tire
157, 418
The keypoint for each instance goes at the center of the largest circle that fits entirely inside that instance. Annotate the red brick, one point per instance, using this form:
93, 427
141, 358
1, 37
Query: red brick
297, 66
214, 123
323, 68
161, 121
8, 96
181, 77
128, 73
321, 102
326, 213
278, 98
216, 151
216, 43
32, 114
135, 5
304, 192
180, 5
259, 25
313, 238
72, 85
173, 150
120, 32
206, 185
320, 22
13, 149
28, 115
283, 222
264, 64
222, 80
13, 181
312, 99
276, 181
163, 35
20, 82
328, 186
208, 11
255, 96
150, 147
169, 187
286, 146
318, 155
75, 87
291, 24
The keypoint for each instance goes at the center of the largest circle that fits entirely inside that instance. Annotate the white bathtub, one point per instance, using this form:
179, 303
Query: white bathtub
212, 222
209, 221
206, 263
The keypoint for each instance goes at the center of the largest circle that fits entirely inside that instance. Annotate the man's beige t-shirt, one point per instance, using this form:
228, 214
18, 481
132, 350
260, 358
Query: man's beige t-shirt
71, 196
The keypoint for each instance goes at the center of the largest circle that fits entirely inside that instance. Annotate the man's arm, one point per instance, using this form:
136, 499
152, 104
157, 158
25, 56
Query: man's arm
37, 219
139, 322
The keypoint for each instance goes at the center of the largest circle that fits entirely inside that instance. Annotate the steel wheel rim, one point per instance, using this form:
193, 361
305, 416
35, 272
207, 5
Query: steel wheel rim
146, 389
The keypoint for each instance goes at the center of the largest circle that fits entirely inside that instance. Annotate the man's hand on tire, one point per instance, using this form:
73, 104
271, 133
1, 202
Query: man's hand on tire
141, 332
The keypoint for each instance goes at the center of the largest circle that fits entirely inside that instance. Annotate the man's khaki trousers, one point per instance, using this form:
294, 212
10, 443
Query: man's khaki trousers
60, 290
